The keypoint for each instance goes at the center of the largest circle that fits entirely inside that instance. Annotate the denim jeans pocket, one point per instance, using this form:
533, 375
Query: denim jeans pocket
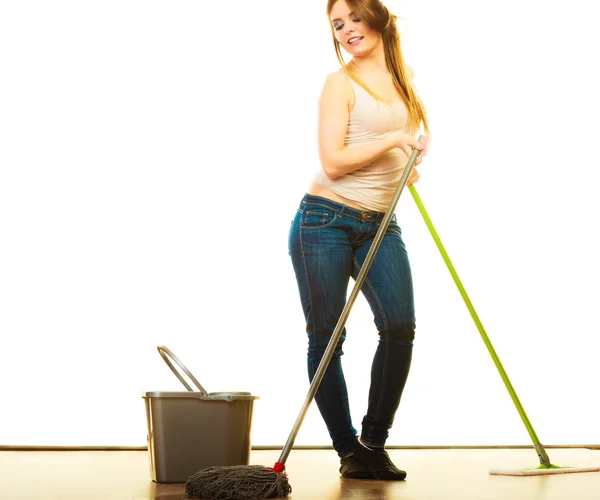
318, 217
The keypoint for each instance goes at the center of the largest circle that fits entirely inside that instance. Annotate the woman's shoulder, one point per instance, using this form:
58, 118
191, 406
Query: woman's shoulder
339, 82
338, 89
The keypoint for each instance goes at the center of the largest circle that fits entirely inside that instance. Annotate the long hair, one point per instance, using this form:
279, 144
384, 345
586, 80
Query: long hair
377, 17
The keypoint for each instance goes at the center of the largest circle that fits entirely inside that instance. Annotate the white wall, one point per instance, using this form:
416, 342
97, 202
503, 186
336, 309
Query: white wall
153, 155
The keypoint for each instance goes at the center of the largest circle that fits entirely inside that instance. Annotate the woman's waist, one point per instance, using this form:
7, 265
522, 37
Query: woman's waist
319, 190
343, 209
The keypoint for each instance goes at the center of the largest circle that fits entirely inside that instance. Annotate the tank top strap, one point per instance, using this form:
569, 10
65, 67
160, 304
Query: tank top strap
359, 92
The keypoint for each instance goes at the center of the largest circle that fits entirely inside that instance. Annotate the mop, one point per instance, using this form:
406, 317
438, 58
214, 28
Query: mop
545, 467
256, 482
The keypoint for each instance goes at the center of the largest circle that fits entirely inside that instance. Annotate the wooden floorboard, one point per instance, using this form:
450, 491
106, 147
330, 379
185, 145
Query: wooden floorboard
432, 475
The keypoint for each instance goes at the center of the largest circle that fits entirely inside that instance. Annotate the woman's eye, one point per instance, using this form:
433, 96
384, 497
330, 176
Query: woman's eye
339, 26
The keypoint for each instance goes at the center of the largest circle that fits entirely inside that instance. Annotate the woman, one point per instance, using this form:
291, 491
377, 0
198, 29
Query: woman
368, 115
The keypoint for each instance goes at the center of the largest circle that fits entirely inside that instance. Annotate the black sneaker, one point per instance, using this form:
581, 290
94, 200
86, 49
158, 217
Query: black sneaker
379, 462
353, 468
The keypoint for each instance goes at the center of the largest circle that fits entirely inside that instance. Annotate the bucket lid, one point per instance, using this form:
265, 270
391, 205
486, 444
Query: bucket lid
211, 396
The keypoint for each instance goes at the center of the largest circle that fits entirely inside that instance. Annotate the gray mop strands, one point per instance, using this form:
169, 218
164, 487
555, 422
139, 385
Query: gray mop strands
238, 482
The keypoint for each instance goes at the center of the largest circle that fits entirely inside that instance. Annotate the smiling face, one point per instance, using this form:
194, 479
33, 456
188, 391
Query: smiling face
351, 32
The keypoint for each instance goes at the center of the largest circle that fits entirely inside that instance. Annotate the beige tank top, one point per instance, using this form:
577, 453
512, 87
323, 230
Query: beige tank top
373, 185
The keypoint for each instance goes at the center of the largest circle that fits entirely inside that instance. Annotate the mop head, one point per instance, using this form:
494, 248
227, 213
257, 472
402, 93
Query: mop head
238, 482
542, 470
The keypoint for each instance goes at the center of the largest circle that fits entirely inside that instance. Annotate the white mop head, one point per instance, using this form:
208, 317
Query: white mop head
542, 470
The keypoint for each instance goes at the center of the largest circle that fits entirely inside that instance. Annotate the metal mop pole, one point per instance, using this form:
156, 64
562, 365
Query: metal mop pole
314, 386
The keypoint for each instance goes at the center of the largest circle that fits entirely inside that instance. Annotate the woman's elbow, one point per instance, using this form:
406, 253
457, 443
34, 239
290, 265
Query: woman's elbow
329, 169
330, 175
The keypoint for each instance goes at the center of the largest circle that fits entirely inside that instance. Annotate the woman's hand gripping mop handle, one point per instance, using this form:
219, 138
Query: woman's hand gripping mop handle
314, 386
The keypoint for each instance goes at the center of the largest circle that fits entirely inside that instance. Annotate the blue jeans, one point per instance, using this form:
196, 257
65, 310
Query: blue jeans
328, 242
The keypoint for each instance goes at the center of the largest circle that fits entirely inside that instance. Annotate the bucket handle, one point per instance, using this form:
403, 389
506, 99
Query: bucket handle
164, 351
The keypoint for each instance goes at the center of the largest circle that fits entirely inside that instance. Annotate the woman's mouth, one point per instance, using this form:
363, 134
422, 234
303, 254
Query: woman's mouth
355, 40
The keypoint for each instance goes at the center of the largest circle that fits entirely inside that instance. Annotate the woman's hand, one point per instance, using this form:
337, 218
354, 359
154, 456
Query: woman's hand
407, 144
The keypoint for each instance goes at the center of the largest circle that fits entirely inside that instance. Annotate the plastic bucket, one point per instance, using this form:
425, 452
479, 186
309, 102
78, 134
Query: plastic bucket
191, 430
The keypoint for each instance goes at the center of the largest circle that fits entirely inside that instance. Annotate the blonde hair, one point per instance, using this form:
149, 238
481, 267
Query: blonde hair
377, 17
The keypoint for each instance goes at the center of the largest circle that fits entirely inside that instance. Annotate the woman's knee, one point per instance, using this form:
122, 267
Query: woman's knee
318, 342
399, 332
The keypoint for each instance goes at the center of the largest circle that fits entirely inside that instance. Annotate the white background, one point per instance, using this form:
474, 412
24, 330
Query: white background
152, 158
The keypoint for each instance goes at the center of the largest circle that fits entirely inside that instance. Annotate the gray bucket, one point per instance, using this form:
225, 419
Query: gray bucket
192, 430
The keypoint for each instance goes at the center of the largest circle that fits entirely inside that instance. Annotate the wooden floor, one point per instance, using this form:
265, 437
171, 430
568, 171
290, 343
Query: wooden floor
432, 475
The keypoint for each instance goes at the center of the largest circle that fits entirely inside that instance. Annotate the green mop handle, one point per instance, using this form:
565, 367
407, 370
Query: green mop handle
538, 446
